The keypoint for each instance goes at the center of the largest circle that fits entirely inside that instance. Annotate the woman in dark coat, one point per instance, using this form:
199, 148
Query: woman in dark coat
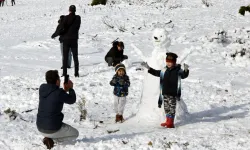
115, 54
57, 33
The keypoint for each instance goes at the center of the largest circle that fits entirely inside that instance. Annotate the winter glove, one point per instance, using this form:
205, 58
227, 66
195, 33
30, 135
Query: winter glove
186, 67
122, 82
114, 81
125, 57
145, 64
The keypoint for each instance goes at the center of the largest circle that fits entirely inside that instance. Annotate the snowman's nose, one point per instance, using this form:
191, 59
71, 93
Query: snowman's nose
156, 38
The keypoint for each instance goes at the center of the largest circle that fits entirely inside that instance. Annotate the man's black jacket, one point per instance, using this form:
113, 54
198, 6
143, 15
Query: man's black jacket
51, 100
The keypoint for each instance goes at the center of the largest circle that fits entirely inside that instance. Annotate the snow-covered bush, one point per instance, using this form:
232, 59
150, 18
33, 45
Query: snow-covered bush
243, 9
241, 53
207, 3
137, 2
221, 37
11, 114
82, 109
112, 24
98, 2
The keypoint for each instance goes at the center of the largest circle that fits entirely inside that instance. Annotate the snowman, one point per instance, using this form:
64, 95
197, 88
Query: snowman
149, 111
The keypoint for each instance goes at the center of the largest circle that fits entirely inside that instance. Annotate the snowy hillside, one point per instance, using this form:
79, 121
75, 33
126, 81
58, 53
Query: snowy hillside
217, 91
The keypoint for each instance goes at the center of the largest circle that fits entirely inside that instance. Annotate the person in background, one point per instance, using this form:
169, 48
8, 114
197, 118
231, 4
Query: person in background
3, 2
57, 33
71, 26
13, 2
115, 54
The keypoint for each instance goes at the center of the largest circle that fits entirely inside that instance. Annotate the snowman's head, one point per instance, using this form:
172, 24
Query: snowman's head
160, 38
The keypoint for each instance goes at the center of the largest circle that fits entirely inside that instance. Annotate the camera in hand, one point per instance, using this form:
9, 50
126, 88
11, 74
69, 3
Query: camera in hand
66, 79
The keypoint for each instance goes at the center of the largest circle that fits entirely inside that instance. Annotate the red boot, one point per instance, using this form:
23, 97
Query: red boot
165, 123
169, 122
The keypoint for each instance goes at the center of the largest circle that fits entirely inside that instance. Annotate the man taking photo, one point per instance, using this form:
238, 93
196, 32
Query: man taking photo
50, 117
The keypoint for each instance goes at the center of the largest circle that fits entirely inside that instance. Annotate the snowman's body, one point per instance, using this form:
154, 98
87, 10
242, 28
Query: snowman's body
149, 110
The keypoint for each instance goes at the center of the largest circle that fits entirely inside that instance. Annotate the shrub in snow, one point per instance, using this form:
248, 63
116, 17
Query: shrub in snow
138, 2
82, 109
239, 57
221, 37
98, 2
243, 9
110, 23
11, 114
207, 3
241, 53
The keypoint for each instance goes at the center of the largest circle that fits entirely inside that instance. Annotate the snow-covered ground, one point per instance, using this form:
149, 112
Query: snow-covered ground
217, 92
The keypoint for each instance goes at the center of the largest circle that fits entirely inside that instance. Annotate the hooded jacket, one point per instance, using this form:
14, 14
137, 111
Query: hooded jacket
51, 100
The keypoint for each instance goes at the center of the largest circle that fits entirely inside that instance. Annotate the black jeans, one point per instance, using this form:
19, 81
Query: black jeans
2, 3
113, 62
13, 2
73, 46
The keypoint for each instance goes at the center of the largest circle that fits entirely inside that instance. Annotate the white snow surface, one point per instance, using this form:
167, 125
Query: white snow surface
217, 91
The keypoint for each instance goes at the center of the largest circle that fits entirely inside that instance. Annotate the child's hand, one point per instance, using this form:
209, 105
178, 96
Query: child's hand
186, 67
122, 82
145, 64
114, 81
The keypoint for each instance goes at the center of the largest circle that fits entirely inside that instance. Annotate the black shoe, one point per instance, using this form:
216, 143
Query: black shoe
77, 75
68, 67
62, 67
48, 142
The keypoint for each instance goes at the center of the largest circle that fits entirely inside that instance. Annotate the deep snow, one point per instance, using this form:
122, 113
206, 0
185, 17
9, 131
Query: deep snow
217, 92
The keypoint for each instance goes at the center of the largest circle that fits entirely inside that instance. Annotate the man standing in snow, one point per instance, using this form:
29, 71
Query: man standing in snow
50, 116
71, 26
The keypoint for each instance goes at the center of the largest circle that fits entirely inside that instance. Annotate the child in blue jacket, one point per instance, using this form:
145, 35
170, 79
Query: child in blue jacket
121, 83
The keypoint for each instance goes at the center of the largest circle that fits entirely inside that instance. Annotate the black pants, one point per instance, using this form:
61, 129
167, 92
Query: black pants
13, 2
113, 62
73, 46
